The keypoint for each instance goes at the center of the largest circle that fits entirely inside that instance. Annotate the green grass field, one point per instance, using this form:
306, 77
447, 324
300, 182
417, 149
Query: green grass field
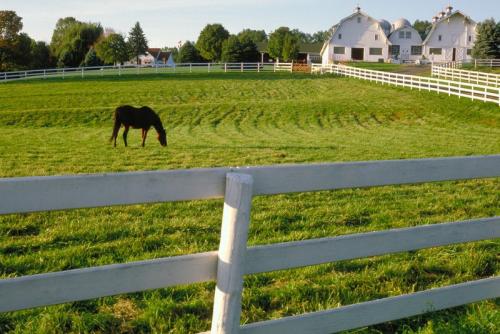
57, 126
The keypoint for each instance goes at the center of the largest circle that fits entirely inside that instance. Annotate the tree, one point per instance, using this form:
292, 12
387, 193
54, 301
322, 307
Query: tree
290, 47
188, 54
40, 56
278, 49
112, 49
249, 51
257, 36
487, 45
301, 36
137, 42
10, 26
210, 41
91, 59
72, 40
231, 50
423, 28
320, 36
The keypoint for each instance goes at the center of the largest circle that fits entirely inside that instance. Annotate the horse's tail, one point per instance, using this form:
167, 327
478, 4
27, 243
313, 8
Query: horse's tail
116, 127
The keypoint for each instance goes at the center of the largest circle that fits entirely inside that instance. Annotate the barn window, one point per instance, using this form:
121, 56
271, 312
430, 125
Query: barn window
401, 34
394, 50
469, 52
340, 36
376, 37
440, 38
408, 35
416, 50
359, 19
470, 38
339, 50
435, 51
375, 51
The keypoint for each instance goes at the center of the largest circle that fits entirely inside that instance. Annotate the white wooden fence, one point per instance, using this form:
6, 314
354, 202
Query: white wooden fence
452, 73
458, 88
234, 260
487, 63
94, 71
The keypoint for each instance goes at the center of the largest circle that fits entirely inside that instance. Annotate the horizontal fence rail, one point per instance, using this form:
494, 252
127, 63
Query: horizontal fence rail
82, 284
96, 71
480, 78
29, 194
487, 63
227, 266
457, 88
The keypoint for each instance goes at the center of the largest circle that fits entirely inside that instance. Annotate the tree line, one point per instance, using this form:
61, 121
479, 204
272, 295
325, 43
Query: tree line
75, 43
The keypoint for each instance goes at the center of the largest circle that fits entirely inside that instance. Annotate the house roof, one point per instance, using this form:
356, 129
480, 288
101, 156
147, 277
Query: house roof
434, 26
154, 51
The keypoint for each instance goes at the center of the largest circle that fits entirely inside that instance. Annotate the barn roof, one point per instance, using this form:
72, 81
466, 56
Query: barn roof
439, 21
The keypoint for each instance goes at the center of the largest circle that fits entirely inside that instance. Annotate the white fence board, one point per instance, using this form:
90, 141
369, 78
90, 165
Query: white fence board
378, 311
88, 283
81, 284
318, 251
85, 191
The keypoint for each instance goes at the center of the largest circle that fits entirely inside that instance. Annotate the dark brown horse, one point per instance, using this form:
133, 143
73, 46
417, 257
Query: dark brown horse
138, 118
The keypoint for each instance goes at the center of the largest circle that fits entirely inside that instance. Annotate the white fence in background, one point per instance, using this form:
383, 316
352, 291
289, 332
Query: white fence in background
234, 260
283, 67
448, 71
94, 71
487, 63
458, 88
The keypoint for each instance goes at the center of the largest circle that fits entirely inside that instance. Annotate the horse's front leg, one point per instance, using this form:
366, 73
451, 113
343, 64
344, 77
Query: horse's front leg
125, 133
144, 135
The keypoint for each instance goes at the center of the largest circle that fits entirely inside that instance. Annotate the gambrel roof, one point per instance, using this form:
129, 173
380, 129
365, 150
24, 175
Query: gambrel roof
336, 27
444, 18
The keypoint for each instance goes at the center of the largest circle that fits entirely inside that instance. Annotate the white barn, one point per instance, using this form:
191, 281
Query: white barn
356, 37
406, 43
452, 37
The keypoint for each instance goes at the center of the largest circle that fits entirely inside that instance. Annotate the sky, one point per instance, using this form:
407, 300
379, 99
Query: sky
166, 22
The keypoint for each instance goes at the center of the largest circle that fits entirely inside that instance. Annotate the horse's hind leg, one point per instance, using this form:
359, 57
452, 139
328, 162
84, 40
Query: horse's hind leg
125, 133
116, 129
144, 135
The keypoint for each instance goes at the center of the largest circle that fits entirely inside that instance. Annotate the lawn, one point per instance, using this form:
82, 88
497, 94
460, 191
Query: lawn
56, 126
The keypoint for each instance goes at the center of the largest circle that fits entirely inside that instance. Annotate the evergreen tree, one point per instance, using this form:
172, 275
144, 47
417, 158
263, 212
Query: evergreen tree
210, 41
487, 45
137, 42
40, 56
91, 59
188, 54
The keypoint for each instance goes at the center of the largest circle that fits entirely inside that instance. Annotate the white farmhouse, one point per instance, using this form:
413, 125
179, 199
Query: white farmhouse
452, 37
406, 43
356, 37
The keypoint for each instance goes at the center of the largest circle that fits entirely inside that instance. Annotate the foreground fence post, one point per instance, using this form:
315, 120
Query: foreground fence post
232, 252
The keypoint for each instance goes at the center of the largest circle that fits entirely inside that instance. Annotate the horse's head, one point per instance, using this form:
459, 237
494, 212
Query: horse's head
162, 137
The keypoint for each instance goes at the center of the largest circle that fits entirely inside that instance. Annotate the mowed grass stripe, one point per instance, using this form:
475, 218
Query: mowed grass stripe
51, 127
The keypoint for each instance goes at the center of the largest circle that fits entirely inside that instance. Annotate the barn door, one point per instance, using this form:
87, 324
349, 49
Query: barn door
358, 54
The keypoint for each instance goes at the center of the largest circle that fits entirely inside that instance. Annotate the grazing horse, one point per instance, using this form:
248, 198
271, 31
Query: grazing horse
138, 118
